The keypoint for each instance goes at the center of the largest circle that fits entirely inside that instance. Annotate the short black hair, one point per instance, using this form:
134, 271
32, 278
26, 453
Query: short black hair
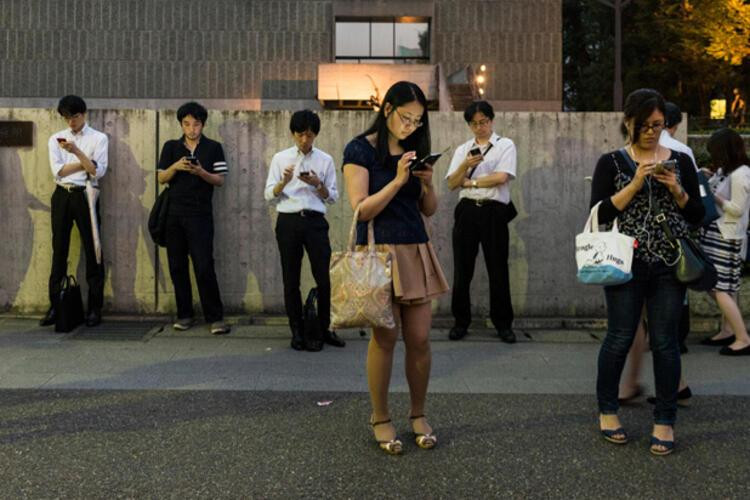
303, 121
192, 109
71, 105
673, 115
638, 106
479, 107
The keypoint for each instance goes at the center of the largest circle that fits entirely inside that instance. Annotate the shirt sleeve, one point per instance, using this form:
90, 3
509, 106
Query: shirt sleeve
739, 188
507, 161
274, 176
603, 188
101, 156
355, 154
330, 182
165, 158
56, 159
693, 211
458, 157
220, 163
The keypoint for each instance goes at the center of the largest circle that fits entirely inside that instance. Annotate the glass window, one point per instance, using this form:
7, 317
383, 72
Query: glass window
352, 39
396, 40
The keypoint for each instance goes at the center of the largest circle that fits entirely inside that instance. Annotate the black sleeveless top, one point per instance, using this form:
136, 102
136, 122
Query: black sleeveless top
400, 222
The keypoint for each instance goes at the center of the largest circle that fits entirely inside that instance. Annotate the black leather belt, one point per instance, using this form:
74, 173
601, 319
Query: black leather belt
480, 203
71, 187
305, 213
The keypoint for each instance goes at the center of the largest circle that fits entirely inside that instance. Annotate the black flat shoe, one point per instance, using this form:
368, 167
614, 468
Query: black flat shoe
50, 318
716, 343
507, 336
728, 351
457, 333
330, 338
683, 398
298, 342
93, 318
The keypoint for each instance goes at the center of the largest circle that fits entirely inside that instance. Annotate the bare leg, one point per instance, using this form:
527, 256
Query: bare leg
631, 381
726, 329
379, 367
731, 312
417, 320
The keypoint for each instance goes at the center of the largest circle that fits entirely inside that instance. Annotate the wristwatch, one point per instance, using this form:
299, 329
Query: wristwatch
474, 183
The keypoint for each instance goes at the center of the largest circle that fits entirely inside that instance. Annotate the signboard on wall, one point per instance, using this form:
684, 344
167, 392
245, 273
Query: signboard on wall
16, 134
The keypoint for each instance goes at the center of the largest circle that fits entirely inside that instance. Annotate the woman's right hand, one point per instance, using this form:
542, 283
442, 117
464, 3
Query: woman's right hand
643, 171
402, 169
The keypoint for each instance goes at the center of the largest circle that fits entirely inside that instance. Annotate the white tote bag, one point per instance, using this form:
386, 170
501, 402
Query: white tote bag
603, 257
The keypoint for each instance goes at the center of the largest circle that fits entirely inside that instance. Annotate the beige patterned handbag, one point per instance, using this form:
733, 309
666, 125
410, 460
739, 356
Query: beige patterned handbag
361, 285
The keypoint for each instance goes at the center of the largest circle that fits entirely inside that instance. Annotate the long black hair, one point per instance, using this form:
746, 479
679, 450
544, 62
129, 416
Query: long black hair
727, 150
639, 105
399, 94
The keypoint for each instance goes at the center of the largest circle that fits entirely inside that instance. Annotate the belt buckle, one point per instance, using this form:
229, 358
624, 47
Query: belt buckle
479, 203
67, 187
303, 213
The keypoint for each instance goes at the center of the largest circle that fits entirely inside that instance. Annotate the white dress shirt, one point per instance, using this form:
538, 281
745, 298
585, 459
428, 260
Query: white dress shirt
500, 158
298, 195
666, 140
92, 143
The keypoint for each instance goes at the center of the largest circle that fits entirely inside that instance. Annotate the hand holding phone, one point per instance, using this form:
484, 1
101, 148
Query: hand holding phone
476, 151
428, 161
666, 165
61, 140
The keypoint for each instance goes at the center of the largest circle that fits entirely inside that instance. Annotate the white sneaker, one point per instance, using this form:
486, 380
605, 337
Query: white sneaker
220, 328
183, 324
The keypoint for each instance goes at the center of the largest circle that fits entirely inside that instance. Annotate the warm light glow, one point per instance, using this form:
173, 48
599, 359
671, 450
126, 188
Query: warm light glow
482, 68
480, 79
481, 91
718, 109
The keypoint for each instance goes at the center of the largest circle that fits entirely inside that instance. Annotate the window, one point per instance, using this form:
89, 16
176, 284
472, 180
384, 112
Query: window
383, 40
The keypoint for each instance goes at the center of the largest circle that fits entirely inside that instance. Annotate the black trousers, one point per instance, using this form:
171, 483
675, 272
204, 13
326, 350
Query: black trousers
486, 225
69, 207
296, 233
193, 236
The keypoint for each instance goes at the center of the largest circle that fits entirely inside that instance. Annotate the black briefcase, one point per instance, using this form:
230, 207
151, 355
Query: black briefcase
69, 306
157, 219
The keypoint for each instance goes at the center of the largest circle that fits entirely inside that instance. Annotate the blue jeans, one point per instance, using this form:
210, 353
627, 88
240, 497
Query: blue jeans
656, 286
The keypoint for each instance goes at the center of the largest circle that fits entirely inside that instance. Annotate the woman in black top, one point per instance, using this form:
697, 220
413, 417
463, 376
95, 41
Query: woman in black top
378, 180
634, 190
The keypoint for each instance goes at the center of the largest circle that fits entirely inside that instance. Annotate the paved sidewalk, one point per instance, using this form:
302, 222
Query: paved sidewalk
187, 415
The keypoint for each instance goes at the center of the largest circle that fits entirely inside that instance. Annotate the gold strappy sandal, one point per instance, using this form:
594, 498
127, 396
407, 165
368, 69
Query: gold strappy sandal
392, 447
424, 441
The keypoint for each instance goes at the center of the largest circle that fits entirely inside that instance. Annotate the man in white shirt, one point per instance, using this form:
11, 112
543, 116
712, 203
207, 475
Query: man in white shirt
76, 154
301, 183
482, 168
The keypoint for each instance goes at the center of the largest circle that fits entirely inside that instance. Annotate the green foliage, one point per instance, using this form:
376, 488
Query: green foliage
687, 49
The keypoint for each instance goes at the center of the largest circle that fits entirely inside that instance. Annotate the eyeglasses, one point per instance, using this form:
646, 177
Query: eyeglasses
405, 120
655, 127
480, 123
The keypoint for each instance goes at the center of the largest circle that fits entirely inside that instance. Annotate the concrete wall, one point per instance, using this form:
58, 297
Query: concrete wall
555, 152
255, 54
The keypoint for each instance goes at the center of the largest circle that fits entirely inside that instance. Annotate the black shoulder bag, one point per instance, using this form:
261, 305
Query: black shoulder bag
157, 219
69, 305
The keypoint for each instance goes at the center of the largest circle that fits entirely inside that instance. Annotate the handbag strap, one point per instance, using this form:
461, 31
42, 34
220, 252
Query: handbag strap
370, 232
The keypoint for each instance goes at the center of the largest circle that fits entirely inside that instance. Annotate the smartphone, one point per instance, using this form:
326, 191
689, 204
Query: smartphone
475, 151
61, 139
417, 165
304, 174
660, 167
192, 159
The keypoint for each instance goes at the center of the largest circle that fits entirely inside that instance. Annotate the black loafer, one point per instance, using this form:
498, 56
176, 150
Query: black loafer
728, 351
683, 398
298, 342
717, 343
313, 345
330, 338
457, 333
93, 318
50, 318
507, 335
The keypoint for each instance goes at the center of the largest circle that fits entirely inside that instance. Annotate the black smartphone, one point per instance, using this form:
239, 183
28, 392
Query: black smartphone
417, 165
192, 159
475, 151
660, 167
304, 174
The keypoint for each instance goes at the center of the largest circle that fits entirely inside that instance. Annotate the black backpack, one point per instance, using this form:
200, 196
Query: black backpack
311, 331
157, 219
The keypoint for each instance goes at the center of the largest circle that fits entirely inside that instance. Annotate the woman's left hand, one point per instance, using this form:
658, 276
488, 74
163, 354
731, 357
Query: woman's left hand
669, 179
425, 175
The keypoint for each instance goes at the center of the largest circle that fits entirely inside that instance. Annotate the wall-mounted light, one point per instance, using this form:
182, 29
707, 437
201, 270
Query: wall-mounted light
481, 78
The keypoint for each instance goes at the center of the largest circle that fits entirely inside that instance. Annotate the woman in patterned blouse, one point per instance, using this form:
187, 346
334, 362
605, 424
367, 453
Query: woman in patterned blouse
633, 188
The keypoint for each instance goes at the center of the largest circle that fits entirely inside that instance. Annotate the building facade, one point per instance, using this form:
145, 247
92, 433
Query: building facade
273, 54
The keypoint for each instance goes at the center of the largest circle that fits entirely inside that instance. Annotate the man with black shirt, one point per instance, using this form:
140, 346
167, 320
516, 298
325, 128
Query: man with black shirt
301, 182
483, 168
192, 165
77, 155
